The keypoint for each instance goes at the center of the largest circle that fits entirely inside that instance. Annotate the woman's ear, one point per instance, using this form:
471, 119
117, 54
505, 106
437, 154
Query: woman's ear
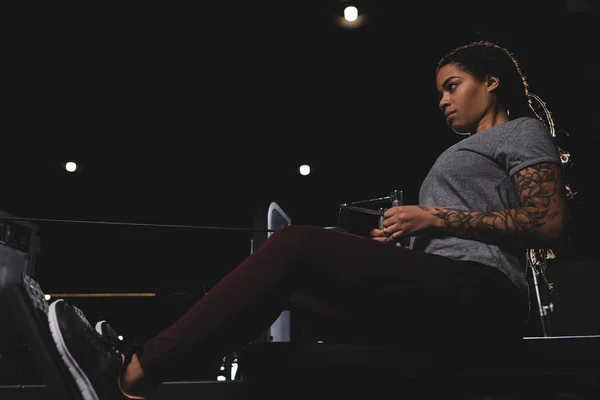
492, 82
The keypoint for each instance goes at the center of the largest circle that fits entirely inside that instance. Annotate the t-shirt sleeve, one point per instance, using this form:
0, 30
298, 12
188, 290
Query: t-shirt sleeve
528, 144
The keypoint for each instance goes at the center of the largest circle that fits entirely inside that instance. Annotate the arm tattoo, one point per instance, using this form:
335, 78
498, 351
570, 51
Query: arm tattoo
538, 190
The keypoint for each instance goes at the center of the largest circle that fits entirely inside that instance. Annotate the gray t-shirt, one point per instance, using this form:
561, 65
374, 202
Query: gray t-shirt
475, 174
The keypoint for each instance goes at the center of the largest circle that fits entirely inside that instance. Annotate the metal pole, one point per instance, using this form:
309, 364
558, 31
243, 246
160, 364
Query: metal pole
541, 308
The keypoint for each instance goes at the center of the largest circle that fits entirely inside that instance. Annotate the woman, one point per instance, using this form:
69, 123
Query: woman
485, 201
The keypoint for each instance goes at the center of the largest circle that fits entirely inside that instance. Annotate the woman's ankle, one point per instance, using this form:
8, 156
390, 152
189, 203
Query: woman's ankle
132, 382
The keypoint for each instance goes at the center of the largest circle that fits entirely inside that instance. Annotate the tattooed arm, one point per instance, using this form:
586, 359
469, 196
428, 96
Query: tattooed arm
539, 222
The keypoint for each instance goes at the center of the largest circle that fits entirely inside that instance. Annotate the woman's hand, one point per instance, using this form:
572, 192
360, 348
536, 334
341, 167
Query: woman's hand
379, 235
401, 222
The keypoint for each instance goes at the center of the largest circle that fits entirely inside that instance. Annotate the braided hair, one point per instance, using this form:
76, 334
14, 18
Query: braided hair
483, 58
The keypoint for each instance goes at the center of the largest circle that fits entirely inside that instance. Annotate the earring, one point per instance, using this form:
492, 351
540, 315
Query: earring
461, 133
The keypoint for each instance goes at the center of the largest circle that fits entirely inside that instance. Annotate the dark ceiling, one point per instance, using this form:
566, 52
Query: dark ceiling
199, 115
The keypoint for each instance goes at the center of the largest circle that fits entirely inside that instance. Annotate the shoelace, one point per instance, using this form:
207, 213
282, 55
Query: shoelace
125, 348
128, 348
93, 337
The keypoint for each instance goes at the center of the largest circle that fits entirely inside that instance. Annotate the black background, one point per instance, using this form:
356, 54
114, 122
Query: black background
200, 114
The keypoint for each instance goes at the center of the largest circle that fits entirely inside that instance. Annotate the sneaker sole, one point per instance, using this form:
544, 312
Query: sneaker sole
81, 380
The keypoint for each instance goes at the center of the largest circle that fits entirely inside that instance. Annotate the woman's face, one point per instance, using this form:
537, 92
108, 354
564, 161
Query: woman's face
464, 100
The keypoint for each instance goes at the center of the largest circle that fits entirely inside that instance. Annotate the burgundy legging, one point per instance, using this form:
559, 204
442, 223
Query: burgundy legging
365, 289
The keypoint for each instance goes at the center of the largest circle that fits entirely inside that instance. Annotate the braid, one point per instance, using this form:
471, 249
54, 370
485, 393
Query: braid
537, 257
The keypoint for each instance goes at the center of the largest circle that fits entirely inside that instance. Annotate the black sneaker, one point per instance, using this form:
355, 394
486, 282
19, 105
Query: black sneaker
81, 315
104, 329
128, 349
91, 359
